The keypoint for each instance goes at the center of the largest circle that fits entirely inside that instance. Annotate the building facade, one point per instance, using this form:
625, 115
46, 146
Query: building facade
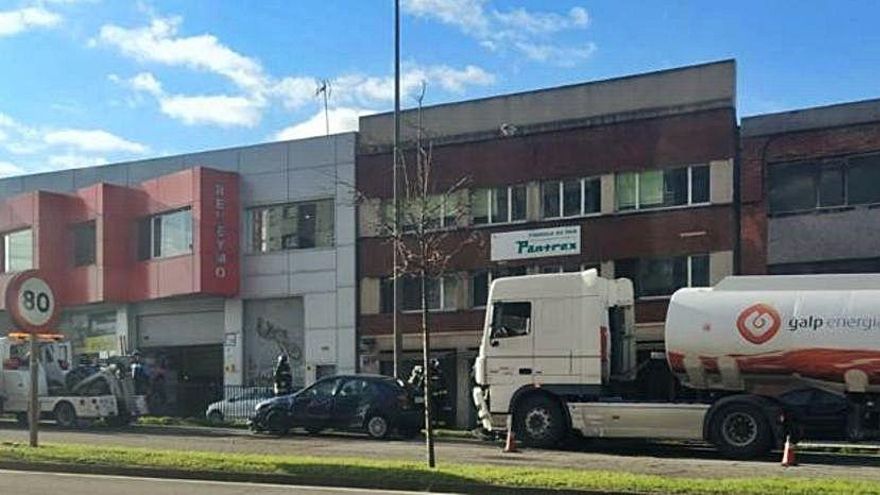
633, 176
210, 264
810, 191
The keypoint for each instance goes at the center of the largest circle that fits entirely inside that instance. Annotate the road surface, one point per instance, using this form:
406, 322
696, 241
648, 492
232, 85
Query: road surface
693, 461
26, 482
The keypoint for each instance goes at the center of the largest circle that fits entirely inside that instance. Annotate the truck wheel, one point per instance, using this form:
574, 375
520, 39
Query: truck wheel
741, 431
65, 415
539, 421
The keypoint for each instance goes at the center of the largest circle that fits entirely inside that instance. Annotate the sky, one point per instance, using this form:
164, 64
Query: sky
88, 82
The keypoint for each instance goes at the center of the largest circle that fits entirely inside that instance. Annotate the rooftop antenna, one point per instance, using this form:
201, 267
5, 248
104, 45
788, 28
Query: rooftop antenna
324, 88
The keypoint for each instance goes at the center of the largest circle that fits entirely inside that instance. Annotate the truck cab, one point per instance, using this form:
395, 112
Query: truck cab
549, 336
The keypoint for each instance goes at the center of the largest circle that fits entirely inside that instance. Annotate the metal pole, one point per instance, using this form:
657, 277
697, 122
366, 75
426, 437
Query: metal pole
34, 407
395, 328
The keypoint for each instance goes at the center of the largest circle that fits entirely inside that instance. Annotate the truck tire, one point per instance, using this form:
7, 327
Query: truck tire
65, 415
741, 431
539, 421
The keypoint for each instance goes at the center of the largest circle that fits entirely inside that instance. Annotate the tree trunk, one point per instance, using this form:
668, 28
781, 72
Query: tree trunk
426, 353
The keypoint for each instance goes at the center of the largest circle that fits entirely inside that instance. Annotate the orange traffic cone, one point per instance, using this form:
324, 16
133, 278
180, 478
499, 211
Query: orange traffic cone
510, 444
788, 457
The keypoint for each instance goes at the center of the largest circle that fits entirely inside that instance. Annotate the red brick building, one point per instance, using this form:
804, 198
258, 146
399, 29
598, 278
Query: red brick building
810, 190
634, 174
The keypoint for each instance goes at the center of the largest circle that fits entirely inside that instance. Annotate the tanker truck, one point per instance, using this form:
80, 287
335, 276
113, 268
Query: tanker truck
558, 356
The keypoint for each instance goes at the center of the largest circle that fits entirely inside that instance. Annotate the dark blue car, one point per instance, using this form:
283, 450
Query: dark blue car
374, 404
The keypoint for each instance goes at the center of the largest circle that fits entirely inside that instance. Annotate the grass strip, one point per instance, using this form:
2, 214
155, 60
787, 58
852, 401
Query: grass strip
391, 474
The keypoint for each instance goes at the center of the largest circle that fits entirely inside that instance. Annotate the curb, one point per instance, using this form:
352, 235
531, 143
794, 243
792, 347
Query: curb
282, 479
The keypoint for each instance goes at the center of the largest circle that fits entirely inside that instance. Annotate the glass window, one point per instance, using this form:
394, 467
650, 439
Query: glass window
173, 233
412, 293
18, 249
518, 203
625, 185
863, 179
550, 199
480, 206
831, 191
592, 195
323, 388
386, 295
571, 198
499, 205
353, 388
479, 289
292, 226
84, 244
700, 184
792, 187
675, 187
511, 319
651, 189
663, 276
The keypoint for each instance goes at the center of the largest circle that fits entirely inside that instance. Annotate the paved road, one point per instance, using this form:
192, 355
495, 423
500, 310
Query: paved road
636, 457
24, 482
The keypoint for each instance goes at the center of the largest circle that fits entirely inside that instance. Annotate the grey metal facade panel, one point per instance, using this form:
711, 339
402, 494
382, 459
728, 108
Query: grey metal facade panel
859, 112
850, 234
676, 88
270, 157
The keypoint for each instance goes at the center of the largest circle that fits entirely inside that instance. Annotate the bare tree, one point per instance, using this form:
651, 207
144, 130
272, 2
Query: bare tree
427, 241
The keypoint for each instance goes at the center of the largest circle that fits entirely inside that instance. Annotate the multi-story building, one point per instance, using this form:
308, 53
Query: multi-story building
633, 176
810, 190
210, 264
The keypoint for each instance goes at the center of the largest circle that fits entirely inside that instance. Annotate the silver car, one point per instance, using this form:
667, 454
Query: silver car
239, 406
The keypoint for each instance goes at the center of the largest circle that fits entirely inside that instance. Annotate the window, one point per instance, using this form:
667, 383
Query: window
440, 210
441, 293
806, 186
323, 389
18, 249
354, 388
571, 197
481, 280
168, 234
663, 276
84, 244
662, 188
566, 268
386, 295
292, 226
498, 204
511, 319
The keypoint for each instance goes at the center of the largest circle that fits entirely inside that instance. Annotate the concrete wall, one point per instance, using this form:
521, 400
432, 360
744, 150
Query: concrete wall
859, 112
699, 85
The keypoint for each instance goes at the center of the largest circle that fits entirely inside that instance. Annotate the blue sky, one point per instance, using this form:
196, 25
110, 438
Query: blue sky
96, 81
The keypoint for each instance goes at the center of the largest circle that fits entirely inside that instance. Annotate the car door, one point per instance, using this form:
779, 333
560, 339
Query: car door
351, 403
313, 407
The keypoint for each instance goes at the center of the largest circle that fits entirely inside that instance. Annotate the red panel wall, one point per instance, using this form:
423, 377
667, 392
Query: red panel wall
117, 275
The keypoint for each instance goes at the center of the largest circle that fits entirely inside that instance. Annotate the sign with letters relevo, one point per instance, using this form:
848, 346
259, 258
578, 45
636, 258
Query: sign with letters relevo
538, 243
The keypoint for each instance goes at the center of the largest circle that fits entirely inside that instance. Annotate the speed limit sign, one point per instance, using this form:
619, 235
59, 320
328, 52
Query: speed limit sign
31, 302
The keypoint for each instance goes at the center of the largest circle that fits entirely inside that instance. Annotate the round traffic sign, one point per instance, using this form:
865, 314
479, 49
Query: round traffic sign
31, 302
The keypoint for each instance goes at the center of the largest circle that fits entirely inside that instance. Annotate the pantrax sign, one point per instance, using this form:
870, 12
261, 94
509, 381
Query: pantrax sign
31, 302
538, 243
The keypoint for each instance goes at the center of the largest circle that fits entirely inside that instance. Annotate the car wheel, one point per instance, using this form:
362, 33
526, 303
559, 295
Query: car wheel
276, 424
539, 422
377, 427
65, 415
215, 417
741, 431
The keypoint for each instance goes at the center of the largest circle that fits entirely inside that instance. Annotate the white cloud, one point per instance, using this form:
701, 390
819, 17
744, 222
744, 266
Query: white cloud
342, 119
75, 161
371, 90
16, 21
92, 140
8, 168
146, 82
160, 43
222, 110
519, 30
295, 91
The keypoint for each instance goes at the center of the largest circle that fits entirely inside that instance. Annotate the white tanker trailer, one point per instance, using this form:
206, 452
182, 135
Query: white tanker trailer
747, 362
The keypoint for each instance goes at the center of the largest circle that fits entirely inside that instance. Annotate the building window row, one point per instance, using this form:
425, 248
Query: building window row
660, 277
806, 186
662, 188
571, 197
300, 225
165, 235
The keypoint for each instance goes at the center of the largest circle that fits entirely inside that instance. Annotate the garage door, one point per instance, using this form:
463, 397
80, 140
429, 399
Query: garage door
180, 329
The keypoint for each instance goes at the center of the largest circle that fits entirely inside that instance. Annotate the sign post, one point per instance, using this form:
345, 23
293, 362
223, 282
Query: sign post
31, 304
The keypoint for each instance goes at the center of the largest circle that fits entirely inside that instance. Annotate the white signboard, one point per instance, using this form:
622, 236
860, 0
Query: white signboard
538, 243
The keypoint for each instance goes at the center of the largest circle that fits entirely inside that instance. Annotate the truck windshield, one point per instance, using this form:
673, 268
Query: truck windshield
510, 319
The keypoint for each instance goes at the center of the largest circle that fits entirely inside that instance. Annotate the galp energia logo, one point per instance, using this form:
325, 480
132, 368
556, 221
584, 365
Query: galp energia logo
758, 323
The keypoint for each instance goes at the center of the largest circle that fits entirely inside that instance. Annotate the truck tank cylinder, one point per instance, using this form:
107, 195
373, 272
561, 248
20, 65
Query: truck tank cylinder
736, 335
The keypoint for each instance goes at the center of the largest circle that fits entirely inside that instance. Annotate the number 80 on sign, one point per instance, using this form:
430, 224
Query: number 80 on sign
31, 302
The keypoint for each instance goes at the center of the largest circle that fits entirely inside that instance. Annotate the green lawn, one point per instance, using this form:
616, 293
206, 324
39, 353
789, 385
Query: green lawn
411, 475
